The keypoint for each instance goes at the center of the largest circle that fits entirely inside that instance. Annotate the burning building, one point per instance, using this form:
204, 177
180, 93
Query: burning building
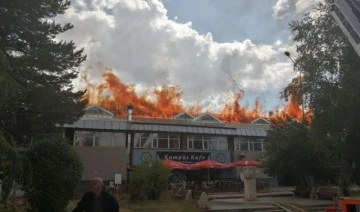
111, 140
110, 145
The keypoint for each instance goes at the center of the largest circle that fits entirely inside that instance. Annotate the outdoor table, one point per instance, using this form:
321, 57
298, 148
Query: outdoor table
178, 185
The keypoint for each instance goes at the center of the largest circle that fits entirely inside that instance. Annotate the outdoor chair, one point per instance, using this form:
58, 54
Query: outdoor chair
173, 187
205, 186
183, 185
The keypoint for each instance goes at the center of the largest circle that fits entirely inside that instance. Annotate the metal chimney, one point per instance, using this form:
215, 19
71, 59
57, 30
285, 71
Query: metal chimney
271, 113
129, 112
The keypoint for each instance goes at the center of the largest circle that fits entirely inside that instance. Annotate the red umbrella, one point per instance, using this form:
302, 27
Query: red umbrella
172, 164
245, 162
209, 164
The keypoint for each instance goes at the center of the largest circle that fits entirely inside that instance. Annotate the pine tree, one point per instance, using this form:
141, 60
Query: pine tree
41, 66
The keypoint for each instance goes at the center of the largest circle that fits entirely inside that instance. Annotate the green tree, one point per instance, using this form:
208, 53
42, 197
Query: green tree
149, 180
53, 172
32, 57
290, 153
330, 83
10, 166
8, 86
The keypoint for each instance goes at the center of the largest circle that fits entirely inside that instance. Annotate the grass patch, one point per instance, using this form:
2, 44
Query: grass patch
166, 203
10, 208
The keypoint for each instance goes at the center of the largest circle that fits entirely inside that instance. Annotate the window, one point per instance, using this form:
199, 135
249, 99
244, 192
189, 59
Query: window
174, 142
353, 5
347, 25
218, 143
145, 140
83, 138
257, 145
195, 142
249, 144
119, 139
103, 139
242, 144
157, 140
198, 142
99, 139
163, 141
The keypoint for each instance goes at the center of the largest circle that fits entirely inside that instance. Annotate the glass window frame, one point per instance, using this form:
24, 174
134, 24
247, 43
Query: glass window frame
205, 142
97, 137
155, 141
251, 142
218, 142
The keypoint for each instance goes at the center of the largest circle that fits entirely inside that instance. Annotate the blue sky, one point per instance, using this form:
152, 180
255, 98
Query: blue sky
211, 49
229, 20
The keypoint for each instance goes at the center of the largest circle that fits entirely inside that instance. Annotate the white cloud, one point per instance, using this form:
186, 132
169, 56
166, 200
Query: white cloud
142, 45
287, 8
283, 7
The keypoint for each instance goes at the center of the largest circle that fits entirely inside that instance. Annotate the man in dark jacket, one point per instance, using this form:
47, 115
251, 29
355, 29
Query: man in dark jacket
97, 200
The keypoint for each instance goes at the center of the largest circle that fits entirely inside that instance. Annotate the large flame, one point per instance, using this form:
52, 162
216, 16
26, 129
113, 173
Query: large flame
235, 113
114, 95
292, 111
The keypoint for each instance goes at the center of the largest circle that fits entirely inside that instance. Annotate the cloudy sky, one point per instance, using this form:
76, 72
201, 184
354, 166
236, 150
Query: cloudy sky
210, 48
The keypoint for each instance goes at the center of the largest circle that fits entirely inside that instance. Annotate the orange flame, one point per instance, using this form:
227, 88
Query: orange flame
235, 113
292, 111
114, 95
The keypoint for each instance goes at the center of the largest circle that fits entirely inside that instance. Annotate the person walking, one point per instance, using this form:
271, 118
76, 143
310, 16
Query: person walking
97, 200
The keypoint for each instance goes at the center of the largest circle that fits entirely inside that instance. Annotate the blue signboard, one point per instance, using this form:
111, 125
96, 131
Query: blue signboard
185, 157
140, 156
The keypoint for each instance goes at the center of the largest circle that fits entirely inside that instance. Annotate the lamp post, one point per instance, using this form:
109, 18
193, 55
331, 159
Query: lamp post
129, 109
301, 86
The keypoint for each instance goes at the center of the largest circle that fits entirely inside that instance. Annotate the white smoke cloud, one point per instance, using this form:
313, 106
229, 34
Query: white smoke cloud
142, 45
287, 8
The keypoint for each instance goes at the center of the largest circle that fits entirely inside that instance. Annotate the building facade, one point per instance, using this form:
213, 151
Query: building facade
347, 15
109, 145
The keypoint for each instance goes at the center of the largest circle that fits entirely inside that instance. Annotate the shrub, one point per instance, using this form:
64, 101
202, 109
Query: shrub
137, 183
54, 170
149, 180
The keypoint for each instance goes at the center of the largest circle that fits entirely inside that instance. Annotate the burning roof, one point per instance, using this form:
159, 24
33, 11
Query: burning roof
114, 95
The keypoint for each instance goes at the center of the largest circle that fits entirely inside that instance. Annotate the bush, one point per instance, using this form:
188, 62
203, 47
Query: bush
149, 180
54, 170
137, 183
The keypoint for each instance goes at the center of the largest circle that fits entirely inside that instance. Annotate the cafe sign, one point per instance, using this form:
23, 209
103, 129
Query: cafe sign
185, 157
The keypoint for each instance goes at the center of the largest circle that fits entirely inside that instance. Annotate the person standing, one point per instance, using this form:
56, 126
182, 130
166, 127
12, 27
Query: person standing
97, 200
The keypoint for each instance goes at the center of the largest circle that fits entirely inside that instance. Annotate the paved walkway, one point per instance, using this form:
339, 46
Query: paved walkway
241, 195
268, 201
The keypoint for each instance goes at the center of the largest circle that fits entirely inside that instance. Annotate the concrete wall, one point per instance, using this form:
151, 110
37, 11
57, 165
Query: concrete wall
103, 162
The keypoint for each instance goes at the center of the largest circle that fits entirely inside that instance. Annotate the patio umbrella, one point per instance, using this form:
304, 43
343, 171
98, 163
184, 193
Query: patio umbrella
209, 164
172, 164
245, 162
